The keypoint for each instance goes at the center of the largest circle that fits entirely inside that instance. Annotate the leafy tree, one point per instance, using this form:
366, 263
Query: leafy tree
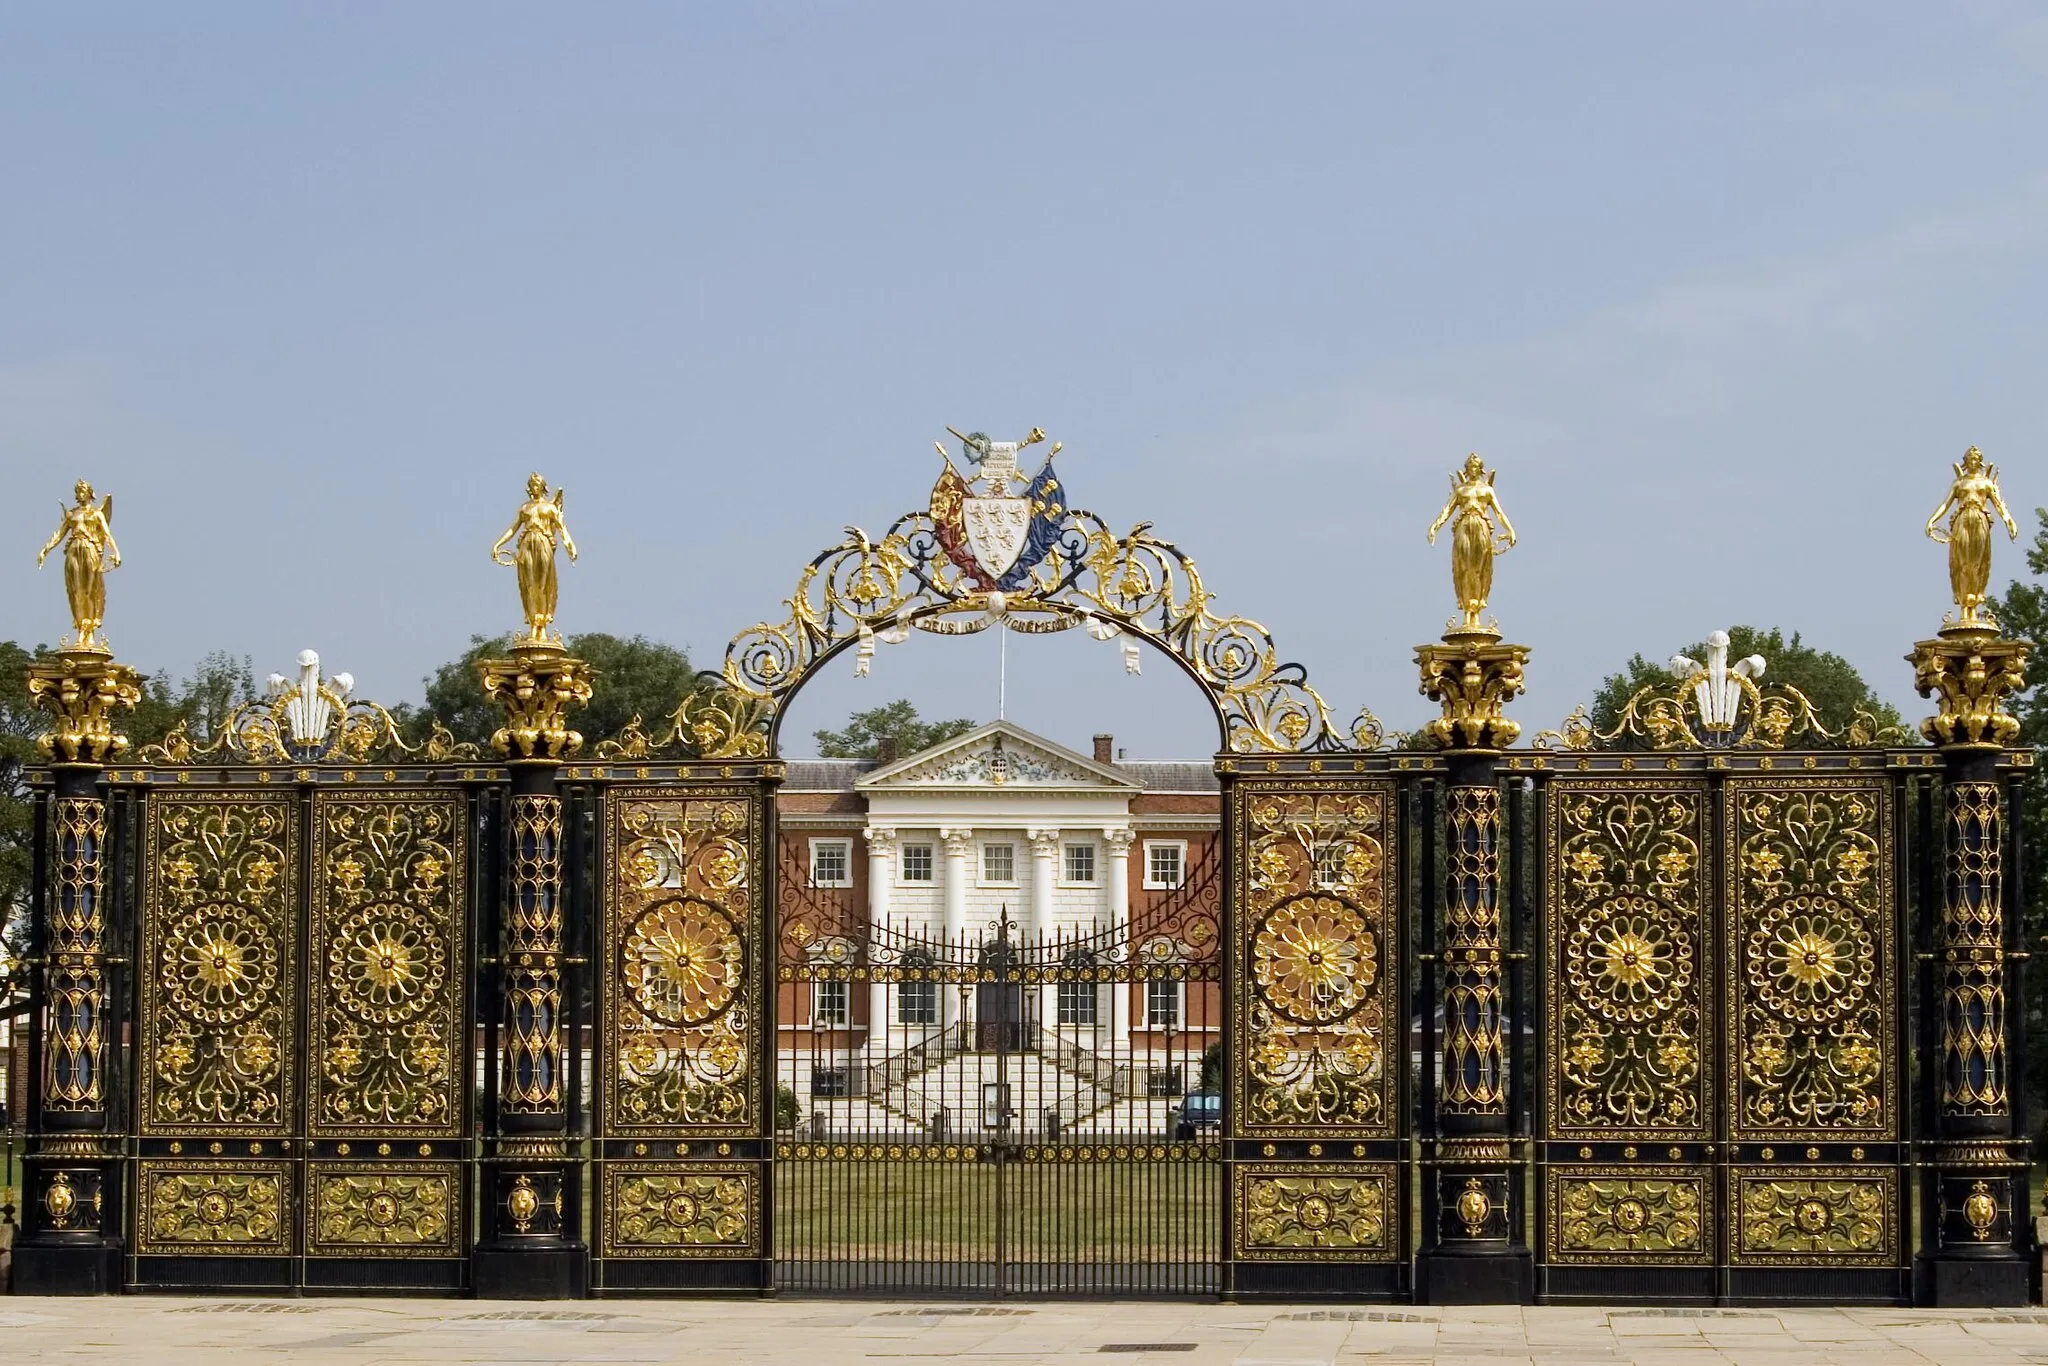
2022, 612
895, 722
634, 676
1837, 691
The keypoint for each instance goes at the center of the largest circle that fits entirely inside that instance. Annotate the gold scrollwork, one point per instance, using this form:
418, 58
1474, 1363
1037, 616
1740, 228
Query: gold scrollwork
677, 1212
681, 997
219, 934
1473, 1082
1624, 1216
1316, 1212
1135, 585
1973, 953
236, 1208
75, 1048
1820, 1216
84, 692
532, 1065
1315, 886
355, 731
387, 935
1810, 923
1628, 886
370, 1211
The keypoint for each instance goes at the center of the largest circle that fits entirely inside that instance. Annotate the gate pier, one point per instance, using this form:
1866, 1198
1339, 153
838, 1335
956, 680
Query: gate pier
1979, 1190
1473, 1214
531, 1245
71, 1243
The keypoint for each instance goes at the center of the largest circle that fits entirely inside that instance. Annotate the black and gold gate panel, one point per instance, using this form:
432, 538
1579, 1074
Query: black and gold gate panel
1316, 1038
681, 1153
1719, 1097
1813, 996
302, 1088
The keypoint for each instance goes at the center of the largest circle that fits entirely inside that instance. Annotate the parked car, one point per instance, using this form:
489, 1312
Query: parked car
1198, 1112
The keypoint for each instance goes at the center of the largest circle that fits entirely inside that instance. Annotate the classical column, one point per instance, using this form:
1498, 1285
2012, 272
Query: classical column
1045, 853
70, 1241
1473, 1255
1118, 842
531, 1248
959, 844
881, 877
1980, 1185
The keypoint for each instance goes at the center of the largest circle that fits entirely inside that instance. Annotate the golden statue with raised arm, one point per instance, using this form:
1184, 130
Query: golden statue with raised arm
535, 528
1969, 505
87, 535
1471, 511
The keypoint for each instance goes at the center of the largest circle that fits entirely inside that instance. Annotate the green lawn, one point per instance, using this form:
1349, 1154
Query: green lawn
948, 1211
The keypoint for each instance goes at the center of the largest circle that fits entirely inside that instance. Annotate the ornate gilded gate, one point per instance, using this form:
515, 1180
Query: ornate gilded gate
1725, 1009
1709, 1005
302, 1098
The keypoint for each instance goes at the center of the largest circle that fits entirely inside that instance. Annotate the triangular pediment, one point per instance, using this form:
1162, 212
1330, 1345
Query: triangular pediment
1003, 755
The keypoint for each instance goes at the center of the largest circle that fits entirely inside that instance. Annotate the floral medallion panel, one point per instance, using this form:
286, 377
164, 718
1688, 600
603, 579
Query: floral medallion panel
1812, 988
1316, 1021
682, 977
388, 941
1627, 960
219, 1004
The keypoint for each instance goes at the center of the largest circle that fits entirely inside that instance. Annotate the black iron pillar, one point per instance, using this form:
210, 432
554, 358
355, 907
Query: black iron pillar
1979, 1163
1473, 1253
531, 1244
70, 1241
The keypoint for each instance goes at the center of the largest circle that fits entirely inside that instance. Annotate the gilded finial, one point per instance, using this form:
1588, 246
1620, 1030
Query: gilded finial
1971, 500
533, 533
87, 534
1475, 539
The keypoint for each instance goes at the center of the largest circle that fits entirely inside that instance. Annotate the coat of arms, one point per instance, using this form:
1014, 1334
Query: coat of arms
995, 536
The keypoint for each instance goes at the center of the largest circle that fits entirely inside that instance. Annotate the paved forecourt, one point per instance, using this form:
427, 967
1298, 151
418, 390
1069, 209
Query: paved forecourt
164, 1331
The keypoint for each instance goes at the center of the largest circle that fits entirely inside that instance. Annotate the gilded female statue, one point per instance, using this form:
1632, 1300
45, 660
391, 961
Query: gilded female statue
535, 528
1471, 511
87, 535
1968, 507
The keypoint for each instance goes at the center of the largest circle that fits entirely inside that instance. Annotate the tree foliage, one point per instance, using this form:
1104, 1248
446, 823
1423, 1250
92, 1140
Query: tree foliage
1838, 692
634, 676
894, 721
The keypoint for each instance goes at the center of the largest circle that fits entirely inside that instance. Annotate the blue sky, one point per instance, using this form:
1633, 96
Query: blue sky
1721, 290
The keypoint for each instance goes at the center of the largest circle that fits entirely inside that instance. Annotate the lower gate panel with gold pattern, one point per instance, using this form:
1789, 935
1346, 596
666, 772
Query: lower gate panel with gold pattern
681, 1168
302, 1096
1722, 1098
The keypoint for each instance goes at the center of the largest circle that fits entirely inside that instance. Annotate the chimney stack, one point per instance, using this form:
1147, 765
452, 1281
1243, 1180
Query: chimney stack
885, 750
1103, 750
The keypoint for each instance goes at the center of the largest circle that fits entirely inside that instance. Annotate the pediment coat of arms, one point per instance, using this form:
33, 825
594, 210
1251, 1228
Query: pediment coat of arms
996, 536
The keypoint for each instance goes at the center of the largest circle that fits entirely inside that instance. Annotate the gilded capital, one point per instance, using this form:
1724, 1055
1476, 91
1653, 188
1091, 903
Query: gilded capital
83, 690
1971, 672
537, 687
1473, 677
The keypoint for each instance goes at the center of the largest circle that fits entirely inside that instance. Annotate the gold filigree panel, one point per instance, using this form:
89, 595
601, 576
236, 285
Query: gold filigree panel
1812, 988
388, 1210
1627, 959
683, 992
1315, 1026
388, 945
1816, 1216
1618, 1215
1316, 1212
231, 1208
220, 932
657, 1211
